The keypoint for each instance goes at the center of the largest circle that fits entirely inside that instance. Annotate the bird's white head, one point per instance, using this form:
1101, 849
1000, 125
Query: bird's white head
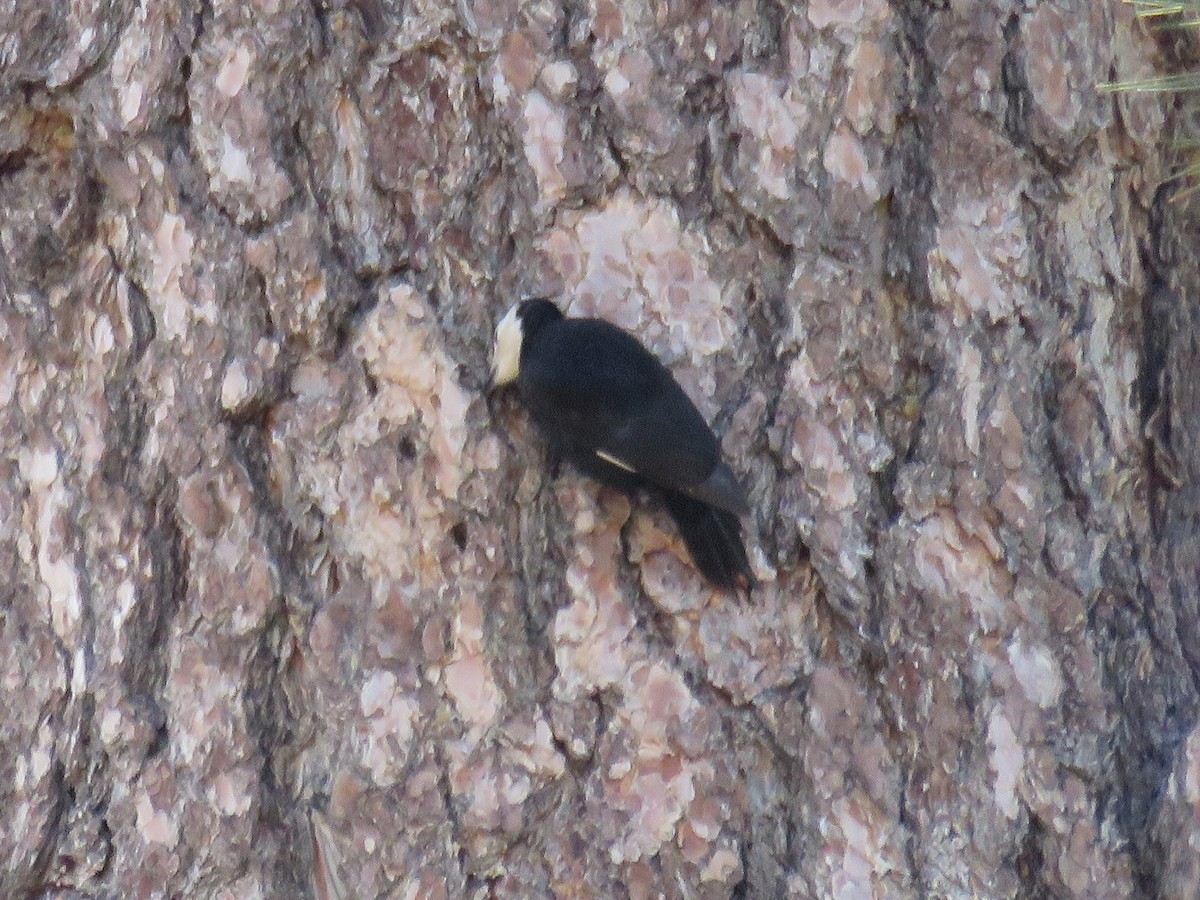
506, 353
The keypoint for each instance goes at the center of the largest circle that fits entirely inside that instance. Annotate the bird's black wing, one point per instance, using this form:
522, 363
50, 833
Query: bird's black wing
595, 389
611, 407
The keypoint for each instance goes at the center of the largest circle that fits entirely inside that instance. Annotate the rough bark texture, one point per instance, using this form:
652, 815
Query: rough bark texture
289, 609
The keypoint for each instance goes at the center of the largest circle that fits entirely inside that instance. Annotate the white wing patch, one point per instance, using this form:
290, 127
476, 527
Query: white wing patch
609, 458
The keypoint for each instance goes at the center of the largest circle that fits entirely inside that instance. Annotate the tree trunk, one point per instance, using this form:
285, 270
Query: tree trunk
290, 608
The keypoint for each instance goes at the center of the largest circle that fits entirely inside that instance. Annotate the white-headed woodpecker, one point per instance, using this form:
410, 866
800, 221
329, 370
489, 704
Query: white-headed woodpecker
606, 404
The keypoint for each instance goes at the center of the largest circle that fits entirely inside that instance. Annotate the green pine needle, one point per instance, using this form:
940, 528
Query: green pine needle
1186, 81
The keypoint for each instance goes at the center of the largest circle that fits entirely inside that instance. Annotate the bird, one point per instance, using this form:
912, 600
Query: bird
608, 406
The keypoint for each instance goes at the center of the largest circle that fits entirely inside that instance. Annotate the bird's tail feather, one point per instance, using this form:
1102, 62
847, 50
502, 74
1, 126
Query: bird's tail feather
714, 538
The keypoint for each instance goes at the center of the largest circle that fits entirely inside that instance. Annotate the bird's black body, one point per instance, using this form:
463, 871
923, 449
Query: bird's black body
611, 408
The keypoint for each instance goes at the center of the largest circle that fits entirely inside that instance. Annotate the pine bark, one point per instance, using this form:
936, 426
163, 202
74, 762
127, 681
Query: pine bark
291, 608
